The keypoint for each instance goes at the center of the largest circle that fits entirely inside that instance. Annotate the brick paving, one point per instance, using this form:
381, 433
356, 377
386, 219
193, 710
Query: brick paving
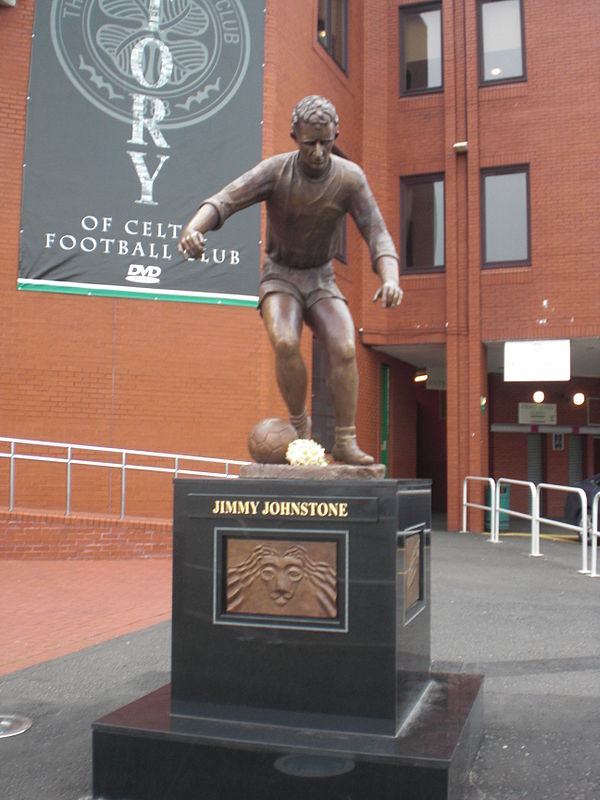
52, 608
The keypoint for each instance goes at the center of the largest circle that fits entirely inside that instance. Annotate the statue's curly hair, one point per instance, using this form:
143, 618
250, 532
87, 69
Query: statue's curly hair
314, 110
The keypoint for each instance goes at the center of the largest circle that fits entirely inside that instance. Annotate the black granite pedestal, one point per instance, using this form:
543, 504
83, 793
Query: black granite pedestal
300, 654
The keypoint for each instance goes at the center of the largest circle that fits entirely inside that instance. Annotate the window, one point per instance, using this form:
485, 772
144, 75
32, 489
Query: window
332, 30
341, 242
501, 51
423, 223
323, 415
506, 216
421, 48
340, 245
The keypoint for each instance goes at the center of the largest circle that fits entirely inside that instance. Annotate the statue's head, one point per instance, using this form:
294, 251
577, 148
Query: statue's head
315, 110
315, 129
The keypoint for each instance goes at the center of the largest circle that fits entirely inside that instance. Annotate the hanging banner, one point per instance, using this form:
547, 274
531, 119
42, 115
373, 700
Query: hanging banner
137, 111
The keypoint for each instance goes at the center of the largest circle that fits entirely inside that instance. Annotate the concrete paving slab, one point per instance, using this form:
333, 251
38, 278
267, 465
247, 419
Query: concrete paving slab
529, 625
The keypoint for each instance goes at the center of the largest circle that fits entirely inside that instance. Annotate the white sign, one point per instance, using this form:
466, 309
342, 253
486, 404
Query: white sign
543, 360
537, 413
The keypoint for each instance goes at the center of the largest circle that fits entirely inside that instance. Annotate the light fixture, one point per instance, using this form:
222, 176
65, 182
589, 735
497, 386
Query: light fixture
321, 29
495, 71
421, 375
578, 399
539, 396
460, 147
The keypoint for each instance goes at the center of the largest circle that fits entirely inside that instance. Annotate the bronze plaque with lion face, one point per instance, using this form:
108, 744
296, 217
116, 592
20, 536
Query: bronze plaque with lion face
281, 577
412, 578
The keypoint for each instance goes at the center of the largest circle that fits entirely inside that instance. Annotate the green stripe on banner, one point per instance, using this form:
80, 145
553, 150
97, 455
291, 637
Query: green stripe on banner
91, 290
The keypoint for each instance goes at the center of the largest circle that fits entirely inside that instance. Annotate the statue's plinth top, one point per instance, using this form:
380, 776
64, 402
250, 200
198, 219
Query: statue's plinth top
332, 472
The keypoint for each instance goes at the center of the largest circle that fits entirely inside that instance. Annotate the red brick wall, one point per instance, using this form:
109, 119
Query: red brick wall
26, 535
154, 376
184, 377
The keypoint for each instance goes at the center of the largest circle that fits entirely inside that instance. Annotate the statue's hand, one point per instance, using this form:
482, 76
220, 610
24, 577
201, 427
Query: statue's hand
192, 243
390, 294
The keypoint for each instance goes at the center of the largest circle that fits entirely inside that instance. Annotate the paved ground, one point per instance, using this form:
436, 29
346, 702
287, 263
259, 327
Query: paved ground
530, 625
58, 607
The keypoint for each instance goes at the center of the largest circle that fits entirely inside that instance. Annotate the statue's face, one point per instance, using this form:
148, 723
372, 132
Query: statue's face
315, 144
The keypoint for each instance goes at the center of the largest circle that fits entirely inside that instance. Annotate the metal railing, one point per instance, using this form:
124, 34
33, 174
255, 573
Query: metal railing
595, 534
535, 528
466, 504
581, 529
119, 460
535, 518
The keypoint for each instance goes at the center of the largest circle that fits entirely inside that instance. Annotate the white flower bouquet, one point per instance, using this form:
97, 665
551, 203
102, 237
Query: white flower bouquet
306, 453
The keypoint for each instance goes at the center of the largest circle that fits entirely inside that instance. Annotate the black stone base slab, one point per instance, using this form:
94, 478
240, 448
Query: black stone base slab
142, 753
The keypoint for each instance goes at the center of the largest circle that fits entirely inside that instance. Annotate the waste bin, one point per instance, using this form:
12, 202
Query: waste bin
504, 519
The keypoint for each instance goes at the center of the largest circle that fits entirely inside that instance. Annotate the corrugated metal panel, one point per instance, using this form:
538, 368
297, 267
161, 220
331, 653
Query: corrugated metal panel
574, 444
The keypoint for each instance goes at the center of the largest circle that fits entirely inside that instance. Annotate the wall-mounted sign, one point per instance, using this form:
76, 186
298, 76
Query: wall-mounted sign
137, 111
543, 360
537, 413
558, 441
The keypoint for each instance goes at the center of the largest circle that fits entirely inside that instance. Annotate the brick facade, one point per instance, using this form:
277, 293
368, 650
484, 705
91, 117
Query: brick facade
176, 377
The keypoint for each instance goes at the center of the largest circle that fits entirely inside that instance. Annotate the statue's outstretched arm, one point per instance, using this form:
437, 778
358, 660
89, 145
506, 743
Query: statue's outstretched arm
389, 291
192, 240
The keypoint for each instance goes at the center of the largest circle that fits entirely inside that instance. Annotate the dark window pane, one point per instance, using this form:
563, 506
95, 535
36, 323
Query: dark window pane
340, 244
424, 224
338, 32
501, 33
506, 217
323, 416
332, 29
422, 50
322, 24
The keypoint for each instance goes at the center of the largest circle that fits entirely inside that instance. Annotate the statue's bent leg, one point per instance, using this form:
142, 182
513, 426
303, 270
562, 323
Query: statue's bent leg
282, 315
332, 323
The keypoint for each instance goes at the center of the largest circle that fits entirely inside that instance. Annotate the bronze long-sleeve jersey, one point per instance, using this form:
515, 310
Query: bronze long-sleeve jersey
304, 214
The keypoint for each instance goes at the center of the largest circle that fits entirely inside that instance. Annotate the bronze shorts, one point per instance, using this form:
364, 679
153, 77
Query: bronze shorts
308, 286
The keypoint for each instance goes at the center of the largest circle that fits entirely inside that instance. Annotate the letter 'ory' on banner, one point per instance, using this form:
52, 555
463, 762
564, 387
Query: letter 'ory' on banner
137, 110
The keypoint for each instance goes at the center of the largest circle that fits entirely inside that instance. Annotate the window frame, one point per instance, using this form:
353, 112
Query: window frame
483, 81
328, 46
404, 11
511, 169
411, 180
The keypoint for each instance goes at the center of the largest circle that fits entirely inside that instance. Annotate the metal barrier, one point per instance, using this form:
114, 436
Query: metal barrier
535, 518
466, 504
581, 529
594, 534
67, 457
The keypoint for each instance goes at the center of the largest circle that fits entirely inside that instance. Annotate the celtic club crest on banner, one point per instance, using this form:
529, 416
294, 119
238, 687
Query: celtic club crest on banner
183, 59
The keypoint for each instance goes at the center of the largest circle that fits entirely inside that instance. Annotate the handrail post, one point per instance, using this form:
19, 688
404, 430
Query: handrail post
584, 533
495, 514
594, 535
464, 505
535, 522
123, 471
69, 457
11, 499
492, 485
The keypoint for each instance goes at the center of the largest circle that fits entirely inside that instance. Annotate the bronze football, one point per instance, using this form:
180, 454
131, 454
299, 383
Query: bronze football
269, 440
